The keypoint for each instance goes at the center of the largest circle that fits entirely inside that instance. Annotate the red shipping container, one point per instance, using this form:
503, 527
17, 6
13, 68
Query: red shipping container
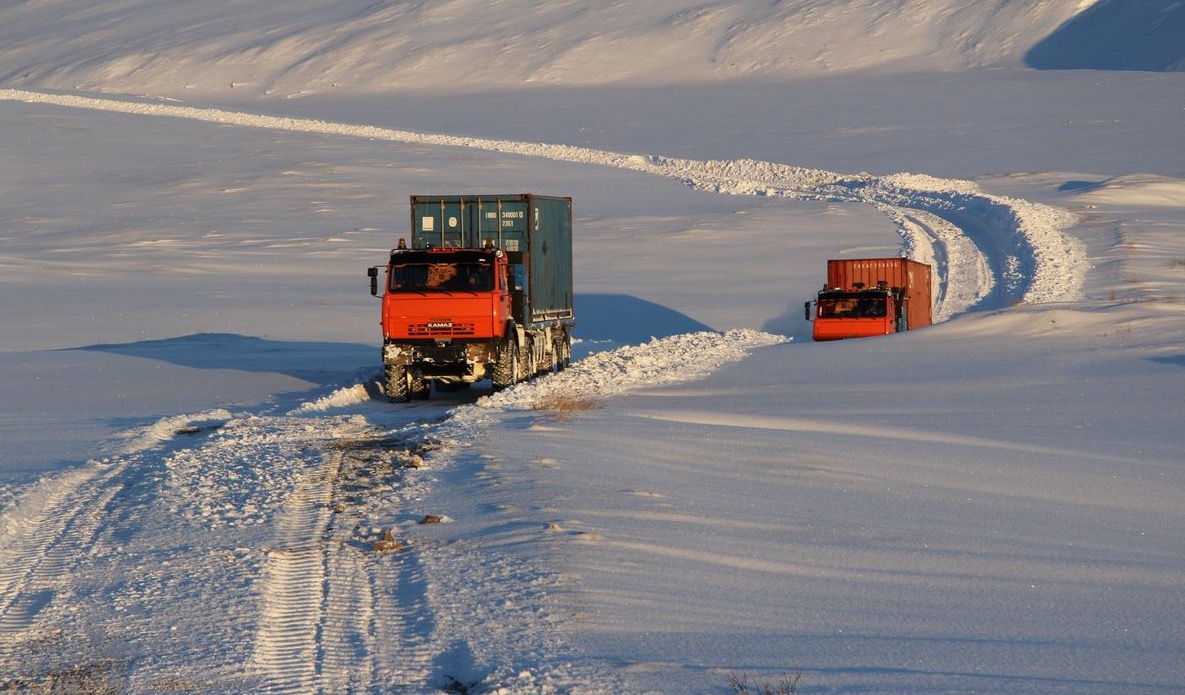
913, 277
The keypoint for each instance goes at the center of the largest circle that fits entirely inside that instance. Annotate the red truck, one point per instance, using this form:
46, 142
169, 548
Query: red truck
483, 291
871, 296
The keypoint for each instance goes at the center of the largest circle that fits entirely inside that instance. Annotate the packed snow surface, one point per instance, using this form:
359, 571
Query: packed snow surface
203, 490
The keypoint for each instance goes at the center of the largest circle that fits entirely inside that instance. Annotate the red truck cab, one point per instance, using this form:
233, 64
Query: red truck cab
857, 313
443, 293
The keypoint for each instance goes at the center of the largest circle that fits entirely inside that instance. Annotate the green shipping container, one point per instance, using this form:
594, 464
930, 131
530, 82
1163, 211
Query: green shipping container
535, 232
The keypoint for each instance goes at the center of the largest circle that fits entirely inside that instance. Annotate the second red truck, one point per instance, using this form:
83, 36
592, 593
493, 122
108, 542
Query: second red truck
864, 297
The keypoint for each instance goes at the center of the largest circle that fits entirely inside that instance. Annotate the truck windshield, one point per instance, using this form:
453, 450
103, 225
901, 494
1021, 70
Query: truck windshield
442, 277
852, 305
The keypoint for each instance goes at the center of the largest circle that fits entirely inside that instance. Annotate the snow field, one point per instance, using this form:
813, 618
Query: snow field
989, 505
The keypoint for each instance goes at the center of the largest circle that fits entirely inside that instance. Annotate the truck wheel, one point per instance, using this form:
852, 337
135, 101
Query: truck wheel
395, 383
563, 351
506, 369
418, 387
526, 367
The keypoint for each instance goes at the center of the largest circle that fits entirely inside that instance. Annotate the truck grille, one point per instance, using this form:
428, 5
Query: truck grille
440, 328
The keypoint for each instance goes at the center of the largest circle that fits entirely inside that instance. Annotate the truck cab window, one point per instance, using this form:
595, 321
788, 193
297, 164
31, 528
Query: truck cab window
413, 278
870, 308
428, 277
853, 307
478, 278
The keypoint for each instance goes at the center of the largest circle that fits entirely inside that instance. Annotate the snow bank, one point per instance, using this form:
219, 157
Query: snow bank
167, 429
661, 361
340, 398
1026, 248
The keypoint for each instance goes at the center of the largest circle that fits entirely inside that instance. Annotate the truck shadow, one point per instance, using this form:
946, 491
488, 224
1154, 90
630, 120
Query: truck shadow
604, 321
319, 363
628, 320
790, 323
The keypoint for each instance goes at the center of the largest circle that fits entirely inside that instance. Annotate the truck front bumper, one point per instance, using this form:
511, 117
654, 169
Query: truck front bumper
453, 362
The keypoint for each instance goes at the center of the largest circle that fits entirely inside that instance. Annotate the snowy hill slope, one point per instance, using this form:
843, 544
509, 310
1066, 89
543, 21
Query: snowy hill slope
264, 48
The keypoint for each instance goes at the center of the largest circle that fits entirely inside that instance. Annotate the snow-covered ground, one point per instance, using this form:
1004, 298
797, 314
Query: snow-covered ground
197, 475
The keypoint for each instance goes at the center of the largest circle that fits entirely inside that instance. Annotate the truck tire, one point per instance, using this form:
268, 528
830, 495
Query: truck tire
418, 386
506, 369
527, 366
563, 351
395, 383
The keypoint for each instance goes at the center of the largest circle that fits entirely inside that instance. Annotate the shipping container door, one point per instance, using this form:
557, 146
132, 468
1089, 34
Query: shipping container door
551, 259
437, 221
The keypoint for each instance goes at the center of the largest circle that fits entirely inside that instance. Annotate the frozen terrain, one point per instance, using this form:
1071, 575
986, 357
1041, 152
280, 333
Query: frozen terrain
201, 489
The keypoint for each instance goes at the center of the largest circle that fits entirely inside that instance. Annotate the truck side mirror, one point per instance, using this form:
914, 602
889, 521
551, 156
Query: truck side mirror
373, 273
806, 308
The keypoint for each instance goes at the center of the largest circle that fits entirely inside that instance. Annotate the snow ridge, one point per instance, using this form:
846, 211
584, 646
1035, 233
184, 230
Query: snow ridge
661, 361
1031, 260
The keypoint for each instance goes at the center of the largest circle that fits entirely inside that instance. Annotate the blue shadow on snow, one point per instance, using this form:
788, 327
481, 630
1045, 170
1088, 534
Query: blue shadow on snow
319, 363
1174, 360
627, 320
1139, 35
615, 318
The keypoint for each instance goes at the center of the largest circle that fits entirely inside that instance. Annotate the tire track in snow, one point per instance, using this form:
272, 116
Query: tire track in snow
963, 279
1019, 241
232, 554
466, 610
54, 525
288, 642
154, 547
377, 629
338, 616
